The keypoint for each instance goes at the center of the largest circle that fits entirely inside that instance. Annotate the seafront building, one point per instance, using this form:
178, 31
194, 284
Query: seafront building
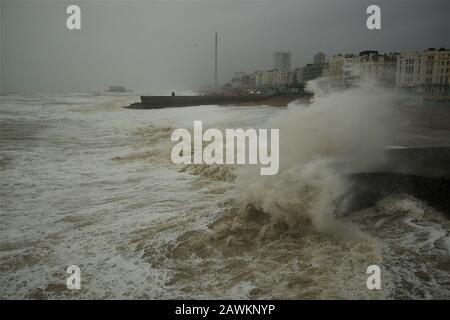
345, 70
381, 67
298, 75
340, 72
310, 71
409, 75
277, 78
424, 73
274, 78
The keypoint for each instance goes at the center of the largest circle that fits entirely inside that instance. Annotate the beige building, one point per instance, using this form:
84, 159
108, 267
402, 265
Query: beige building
409, 72
345, 70
425, 72
257, 76
436, 71
340, 71
273, 78
381, 67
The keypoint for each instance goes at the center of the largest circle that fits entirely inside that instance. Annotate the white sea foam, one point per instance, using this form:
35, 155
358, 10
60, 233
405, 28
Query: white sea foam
337, 133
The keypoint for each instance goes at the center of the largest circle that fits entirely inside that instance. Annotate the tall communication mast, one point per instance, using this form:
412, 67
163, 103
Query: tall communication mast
215, 64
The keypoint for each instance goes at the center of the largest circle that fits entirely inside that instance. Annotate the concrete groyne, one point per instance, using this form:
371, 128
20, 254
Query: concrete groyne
158, 102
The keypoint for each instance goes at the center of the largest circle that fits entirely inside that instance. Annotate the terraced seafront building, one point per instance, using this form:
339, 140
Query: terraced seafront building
339, 73
425, 73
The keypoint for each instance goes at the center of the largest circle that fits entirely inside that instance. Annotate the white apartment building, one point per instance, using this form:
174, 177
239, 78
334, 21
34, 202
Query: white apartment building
373, 65
345, 70
284, 78
410, 72
268, 77
437, 71
298, 75
258, 78
340, 71
273, 78
425, 72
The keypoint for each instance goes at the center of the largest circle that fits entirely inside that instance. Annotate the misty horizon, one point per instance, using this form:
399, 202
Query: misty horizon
152, 46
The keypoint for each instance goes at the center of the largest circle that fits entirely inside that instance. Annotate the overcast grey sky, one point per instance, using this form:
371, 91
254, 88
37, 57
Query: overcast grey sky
151, 46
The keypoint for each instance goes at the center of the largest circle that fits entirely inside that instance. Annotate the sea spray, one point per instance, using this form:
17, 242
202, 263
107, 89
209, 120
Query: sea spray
339, 132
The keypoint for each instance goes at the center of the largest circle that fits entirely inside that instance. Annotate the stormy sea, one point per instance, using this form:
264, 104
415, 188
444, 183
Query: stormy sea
86, 182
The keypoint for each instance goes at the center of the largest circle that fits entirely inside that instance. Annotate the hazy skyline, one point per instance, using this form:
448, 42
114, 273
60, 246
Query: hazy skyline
151, 46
